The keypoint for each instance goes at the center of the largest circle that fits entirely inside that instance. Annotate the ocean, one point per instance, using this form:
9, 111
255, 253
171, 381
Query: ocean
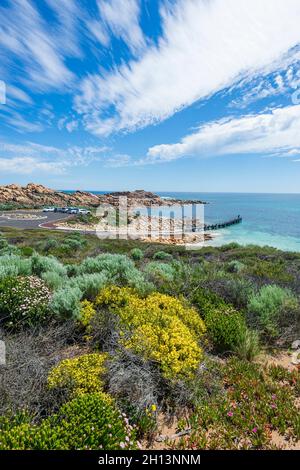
268, 219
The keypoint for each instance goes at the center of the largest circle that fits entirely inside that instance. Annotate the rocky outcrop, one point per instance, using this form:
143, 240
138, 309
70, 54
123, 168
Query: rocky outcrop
141, 197
36, 195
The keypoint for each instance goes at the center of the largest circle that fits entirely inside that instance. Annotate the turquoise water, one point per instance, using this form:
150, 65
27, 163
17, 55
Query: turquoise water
268, 219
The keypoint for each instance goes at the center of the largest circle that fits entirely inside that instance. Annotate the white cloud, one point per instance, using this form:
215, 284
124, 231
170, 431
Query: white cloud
276, 132
18, 94
28, 165
118, 160
20, 123
31, 157
24, 34
206, 46
122, 18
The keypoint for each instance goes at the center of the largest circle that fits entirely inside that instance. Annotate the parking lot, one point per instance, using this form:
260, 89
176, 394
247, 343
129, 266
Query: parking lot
10, 219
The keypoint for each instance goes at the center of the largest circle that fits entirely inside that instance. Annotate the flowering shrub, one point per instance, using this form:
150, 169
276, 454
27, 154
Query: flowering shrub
88, 422
24, 301
87, 312
82, 374
254, 402
161, 328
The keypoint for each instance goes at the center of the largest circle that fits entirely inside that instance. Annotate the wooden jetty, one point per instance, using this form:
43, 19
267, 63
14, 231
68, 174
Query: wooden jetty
236, 220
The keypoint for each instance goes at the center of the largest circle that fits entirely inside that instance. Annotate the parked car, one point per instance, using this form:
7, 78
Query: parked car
61, 209
48, 209
84, 212
73, 210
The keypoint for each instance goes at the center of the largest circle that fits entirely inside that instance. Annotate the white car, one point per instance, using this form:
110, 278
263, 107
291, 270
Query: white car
48, 209
84, 212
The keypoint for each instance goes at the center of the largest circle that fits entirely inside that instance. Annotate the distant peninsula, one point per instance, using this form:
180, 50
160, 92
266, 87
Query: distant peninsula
36, 195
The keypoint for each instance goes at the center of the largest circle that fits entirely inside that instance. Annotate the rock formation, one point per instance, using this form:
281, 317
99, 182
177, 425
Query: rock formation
36, 195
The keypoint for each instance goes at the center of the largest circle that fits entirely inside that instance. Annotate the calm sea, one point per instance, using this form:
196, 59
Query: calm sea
268, 219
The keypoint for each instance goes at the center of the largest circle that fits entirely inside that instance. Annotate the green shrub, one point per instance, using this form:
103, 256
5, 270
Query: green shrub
162, 255
89, 284
26, 251
53, 280
88, 422
137, 254
207, 300
74, 242
24, 301
248, 345
235, 266
271, 308
119, 269
41, 264
226, 327
65, 302
160, 271
13, 265
51, 244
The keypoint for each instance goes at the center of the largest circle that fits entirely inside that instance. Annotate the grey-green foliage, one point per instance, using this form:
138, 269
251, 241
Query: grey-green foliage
235, 266
42, 264
158, 271
248, 345
14, 265
53, 279
6, 248
117, 268
271, 308
50, 244
65, 302
89, 284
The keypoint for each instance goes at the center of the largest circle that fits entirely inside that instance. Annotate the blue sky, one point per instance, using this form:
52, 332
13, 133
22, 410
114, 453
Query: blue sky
164, 95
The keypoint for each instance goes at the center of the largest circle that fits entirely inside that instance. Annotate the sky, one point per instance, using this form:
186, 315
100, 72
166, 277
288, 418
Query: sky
162, 95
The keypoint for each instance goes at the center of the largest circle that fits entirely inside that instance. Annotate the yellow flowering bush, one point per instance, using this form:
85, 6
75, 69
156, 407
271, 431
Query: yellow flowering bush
79, 375
90, 421
163, 328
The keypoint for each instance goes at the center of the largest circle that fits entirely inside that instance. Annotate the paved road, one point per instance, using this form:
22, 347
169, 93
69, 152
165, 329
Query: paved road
46, 218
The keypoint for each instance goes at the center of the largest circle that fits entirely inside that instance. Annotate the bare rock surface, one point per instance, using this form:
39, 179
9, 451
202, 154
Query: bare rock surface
37, 195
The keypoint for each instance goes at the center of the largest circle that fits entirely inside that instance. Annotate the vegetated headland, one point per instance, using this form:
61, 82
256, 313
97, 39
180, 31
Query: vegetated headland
121, 344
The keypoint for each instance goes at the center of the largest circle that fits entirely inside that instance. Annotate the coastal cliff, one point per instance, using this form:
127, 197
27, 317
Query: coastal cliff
37, 195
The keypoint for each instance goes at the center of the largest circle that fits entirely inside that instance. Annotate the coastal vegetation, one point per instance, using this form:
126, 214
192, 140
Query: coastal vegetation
106, 340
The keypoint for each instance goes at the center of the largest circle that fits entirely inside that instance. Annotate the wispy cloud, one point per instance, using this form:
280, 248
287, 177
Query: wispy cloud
206, 46
24, 34
122, 18
32, 157
276, 133
29, 165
